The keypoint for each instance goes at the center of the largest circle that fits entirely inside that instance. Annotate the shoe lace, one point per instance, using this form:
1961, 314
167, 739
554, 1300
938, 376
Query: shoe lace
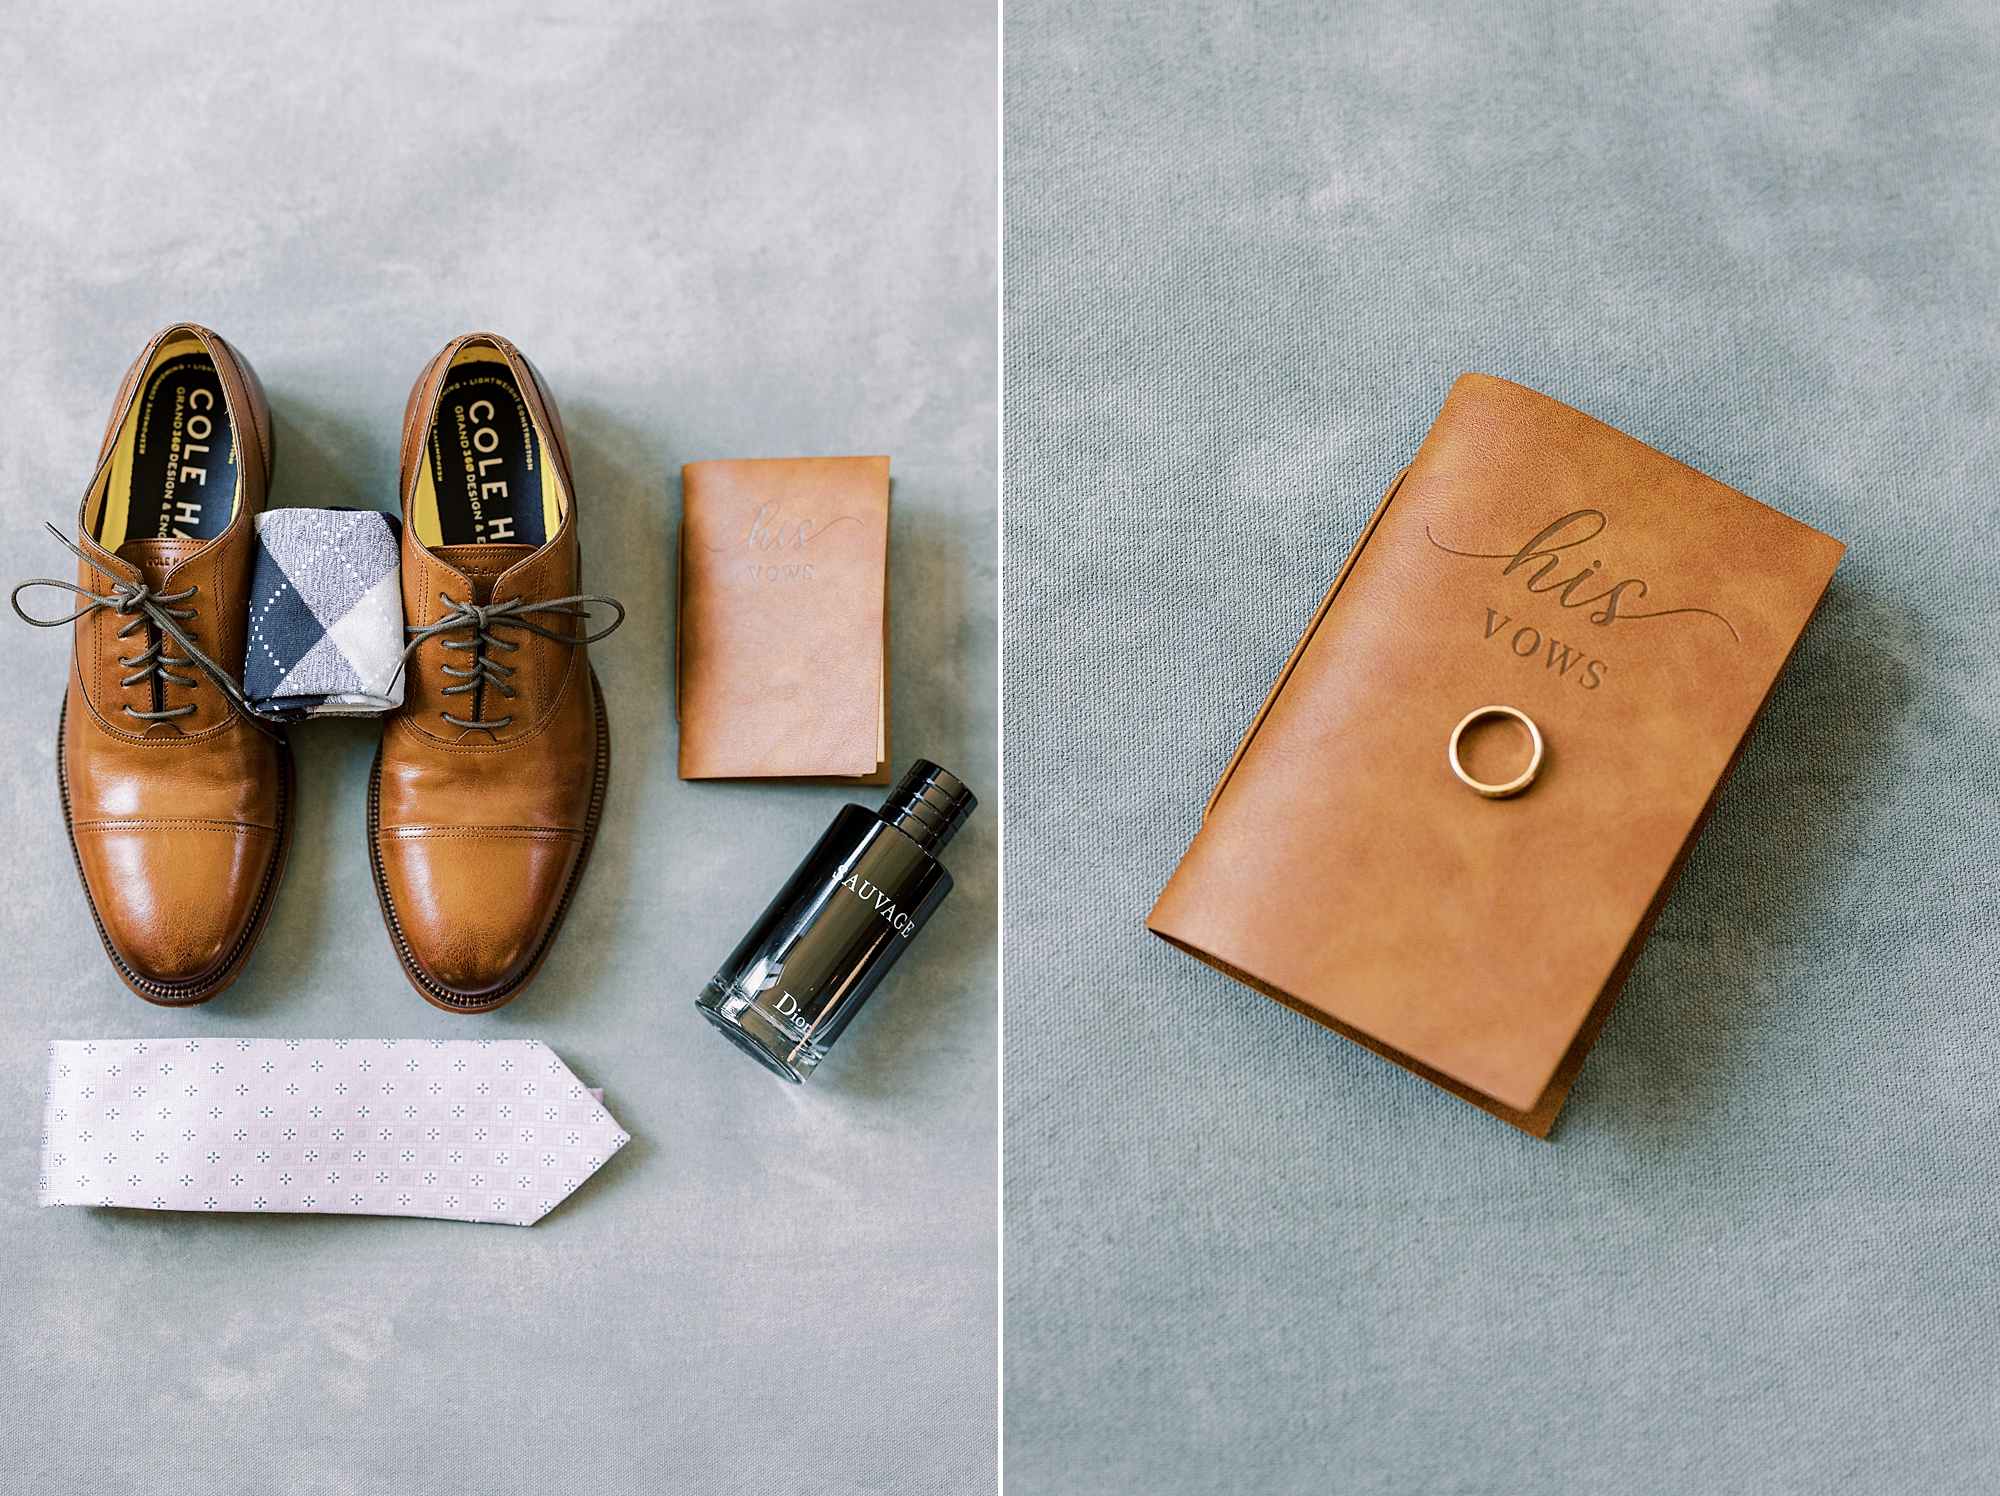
156, 613
481, 619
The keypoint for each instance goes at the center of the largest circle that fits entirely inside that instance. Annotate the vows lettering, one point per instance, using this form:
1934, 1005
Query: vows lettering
1528, 643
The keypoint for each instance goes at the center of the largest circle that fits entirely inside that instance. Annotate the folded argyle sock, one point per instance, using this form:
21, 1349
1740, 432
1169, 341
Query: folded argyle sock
326, 615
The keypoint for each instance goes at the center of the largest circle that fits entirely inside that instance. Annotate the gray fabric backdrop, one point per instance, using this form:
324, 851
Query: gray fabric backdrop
721, 230
1247, 248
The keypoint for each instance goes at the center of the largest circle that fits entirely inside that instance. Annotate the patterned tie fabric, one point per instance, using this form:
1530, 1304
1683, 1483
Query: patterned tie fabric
326, 615
494, 1130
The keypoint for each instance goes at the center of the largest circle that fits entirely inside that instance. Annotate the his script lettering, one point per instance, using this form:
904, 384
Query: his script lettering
1566, 534
770, 531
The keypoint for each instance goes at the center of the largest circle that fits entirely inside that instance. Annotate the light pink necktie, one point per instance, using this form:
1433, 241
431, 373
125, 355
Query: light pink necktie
463, 1129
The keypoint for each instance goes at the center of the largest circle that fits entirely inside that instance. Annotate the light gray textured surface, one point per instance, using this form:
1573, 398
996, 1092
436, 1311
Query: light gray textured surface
721, 230
1247, 249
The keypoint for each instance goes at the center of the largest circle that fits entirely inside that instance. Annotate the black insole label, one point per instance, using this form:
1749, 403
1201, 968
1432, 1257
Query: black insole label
184, 463
485, 461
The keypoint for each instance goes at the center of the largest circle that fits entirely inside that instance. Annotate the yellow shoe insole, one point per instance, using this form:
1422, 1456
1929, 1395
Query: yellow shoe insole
486, 479
175, 466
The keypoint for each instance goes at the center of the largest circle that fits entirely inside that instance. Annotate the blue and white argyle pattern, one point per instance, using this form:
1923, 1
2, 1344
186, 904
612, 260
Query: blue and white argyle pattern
326, 615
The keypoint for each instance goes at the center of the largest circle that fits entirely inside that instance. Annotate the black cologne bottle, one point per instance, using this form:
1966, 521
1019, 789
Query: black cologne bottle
837, 927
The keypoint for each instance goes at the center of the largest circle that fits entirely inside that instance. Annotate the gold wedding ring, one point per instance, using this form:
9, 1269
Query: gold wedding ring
1512, 786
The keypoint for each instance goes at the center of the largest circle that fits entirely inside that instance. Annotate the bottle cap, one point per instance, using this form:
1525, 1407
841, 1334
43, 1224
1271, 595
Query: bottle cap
928, 806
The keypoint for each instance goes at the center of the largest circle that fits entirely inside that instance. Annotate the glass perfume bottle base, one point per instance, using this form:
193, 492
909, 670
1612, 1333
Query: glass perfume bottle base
788, 990
769, 1043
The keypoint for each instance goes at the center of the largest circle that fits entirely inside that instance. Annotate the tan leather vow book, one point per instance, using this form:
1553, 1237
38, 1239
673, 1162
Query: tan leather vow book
1635, 612
782, 655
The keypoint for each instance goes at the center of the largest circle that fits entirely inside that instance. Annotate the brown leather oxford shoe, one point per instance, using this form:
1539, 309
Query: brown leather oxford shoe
179, 806
486, 794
